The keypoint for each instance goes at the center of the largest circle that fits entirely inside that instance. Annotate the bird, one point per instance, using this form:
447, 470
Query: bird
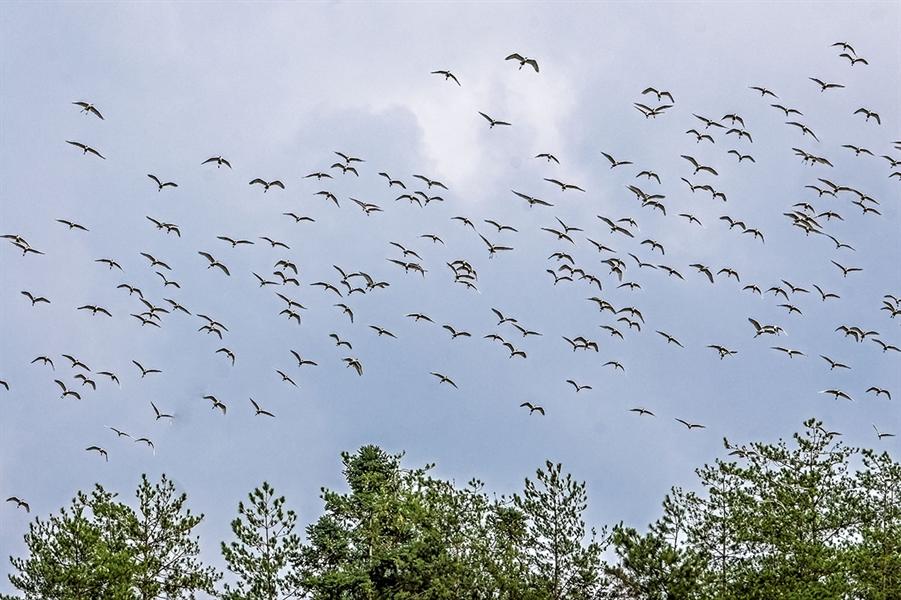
578, 387
228, 353
846, 270
302, 361
763, 91
218, 160
95, 309
216, 403
698, 166
267, 184
285, 378
454, 333
382, 331
723, 351
89, 108
642, 411
853, 59
532, 201
34, 299
72, 225
836, 394
868, 113
299, 218
691, 426
547, 156
523, 61
659, 93
258, 411
275, 243
147, 442
444, 379
703, 269
85, 149
430, 182
145, 371
19, 503
741, 156
615, 163
791, 353
845, 47
66, 390
75, 363
492, 122
533, 408
101, 451
741, 133
214, 263
825, 295
564, 186
355, 364
787, 111
160, 183
881, 435
824, 85
670, 339
234, 243
879, 391
44, 360
834, 364
339, 342
650, 112
447, 75
885, 347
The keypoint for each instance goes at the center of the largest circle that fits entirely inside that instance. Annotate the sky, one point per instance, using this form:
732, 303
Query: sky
277, 88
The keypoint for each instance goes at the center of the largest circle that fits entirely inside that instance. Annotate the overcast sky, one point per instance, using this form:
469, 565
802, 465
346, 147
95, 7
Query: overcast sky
277, 88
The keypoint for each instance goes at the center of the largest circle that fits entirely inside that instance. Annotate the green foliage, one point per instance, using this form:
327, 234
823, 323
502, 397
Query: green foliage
774, 522
806, 519
102, 548
265, 554
560, 564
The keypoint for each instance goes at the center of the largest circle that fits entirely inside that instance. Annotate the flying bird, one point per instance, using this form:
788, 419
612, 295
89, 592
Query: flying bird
447, 75
161, 184
85, 149
267, 184
218, 160
89, 108
492, 122
523, 61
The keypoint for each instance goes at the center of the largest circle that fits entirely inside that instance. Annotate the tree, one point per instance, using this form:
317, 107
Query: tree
875, 563
102, 548
72, 557
774, 522
563, 558
266, 552
658, 565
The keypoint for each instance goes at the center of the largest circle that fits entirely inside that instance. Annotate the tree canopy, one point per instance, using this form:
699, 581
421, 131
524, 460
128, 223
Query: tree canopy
809, 518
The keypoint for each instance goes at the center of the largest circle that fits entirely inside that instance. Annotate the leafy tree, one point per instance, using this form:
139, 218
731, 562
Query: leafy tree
102, 548
266, 552
563, 558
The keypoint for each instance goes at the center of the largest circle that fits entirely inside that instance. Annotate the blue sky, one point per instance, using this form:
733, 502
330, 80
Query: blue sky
276, 88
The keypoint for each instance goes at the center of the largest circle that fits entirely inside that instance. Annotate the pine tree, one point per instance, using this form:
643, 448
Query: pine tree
563, 558
102, 548
265, 554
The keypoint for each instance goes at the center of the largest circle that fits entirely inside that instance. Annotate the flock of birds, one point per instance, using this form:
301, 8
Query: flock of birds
611, 275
